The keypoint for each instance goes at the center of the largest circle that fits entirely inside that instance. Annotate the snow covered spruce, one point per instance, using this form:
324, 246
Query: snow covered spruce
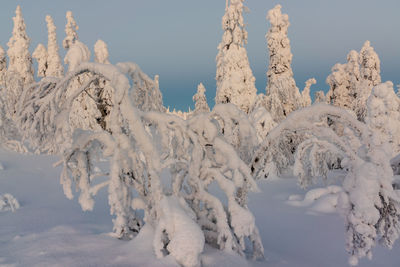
282, 96
235, 80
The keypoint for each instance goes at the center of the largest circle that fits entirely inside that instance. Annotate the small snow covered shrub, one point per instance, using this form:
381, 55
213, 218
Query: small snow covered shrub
369, 204
8, 203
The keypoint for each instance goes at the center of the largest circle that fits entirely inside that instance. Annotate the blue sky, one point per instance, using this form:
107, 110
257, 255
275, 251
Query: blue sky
178, 39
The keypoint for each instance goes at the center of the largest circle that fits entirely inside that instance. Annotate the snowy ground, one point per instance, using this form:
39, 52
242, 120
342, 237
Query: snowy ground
49, 230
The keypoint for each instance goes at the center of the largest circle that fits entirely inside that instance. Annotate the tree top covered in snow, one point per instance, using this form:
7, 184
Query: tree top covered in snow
71, 29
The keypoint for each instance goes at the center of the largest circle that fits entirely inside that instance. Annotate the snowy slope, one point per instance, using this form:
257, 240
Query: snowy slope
49, 230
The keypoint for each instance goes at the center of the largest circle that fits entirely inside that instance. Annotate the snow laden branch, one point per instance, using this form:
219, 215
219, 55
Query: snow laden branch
329, 137
141, 146
147, 95
276, 153
237, 129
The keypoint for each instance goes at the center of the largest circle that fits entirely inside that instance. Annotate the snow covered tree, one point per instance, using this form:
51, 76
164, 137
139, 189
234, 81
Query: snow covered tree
369, 77
41, 56
10, 137
369, 65
146, 93
54, 69
369, 204
101, 52
10, 91
305, 94
282, 95
104, 92
77, 53
351, 83
383, 116
85, 114
320, 97
343, 82
71, 31
235, 80
140, 146
200, 100
339, 93
3, 65
20, 60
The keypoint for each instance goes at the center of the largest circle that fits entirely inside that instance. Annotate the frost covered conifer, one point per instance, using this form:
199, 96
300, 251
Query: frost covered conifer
282, 95
85, 113
305, 94
351, 83
369, 77
383, 116
339, 93
343, 82
200, 100
20, 60
71, 31
235, 80
41, 56
320, 97
54, 69
369, 65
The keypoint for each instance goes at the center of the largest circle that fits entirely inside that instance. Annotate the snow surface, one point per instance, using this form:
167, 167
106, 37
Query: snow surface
50, 230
